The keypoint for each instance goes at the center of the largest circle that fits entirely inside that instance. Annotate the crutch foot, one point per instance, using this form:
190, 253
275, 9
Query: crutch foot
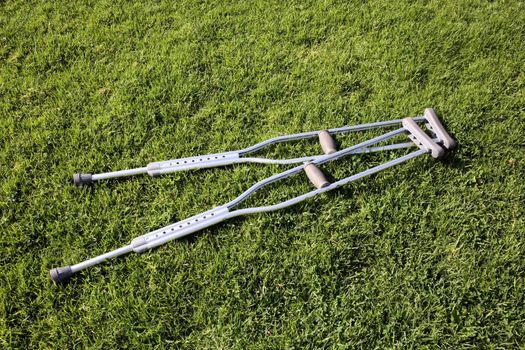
60, 274
82, 179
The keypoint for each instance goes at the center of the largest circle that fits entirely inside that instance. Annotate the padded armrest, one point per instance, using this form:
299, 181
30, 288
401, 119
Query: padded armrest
422, 140
439, 129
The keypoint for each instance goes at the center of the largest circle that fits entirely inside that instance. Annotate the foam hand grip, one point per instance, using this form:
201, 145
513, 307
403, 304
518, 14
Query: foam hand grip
327, 142
316, 176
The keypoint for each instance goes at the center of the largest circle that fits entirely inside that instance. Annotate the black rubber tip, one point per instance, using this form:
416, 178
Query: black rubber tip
60, 274
82, 179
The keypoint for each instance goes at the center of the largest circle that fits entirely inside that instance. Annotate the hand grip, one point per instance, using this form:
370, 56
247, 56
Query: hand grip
327, 142
316, 176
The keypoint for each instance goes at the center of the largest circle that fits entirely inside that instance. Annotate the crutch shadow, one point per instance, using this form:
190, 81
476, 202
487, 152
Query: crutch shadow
452, 160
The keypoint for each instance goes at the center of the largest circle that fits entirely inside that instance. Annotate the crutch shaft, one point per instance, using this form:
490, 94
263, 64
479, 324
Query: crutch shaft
148, 241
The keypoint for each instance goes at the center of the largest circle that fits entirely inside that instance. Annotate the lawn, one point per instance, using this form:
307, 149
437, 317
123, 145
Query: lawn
429, 254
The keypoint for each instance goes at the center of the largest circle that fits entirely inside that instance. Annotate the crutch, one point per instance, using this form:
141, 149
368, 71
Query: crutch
211, 217
240, 156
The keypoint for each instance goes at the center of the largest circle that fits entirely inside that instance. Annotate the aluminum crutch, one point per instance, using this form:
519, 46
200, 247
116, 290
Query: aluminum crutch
211, 217
239, 156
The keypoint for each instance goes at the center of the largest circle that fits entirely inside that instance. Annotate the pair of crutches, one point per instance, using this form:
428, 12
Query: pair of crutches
436, 145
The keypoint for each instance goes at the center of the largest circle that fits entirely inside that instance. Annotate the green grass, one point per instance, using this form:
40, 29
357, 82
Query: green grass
430, 254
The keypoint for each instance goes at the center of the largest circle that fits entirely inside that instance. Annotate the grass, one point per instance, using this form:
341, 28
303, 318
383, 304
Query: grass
430, 254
